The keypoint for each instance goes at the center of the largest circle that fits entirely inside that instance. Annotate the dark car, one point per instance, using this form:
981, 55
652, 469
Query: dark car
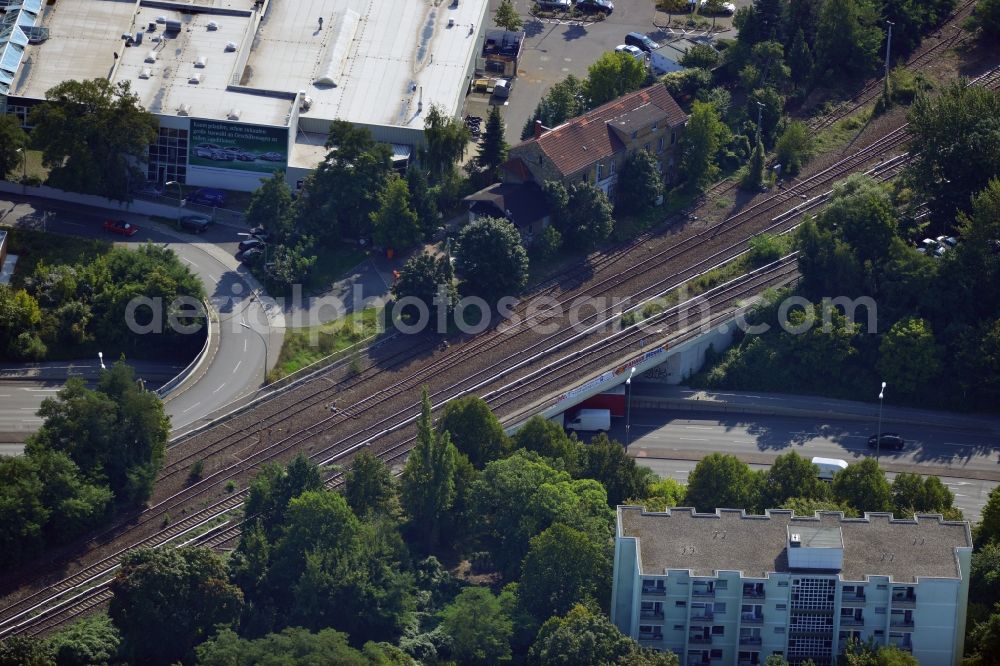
641, 41
889, 440
261, 233
250, 254
248, 243
120, 227
207, 196
194, 223
604, 6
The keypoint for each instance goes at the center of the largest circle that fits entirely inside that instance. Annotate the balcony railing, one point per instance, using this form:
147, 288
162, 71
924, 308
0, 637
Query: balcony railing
853, 599
700, 639
703, 592
749, 618
900, 622
750, 640
753, 592
904, 600
703, 615
658, 591
651, 637
651, 615
851, 621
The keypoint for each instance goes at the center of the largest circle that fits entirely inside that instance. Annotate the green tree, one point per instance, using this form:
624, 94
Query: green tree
493, 149
274, 487
768, 59
167, 601
793, 147
547, 244
847, 39
421, 200
25, 651
293, 645
116, 434
429, 279
586, 219
702, 138
720, 481
861, 214
427, 487
562, 568
563, 101
369, 486
754, 178
547, 439
700, 55
662, 495
765, 248
808, 507
611, 76
20, 316
912, 493
775, 660
339, 197
447, 139
987, 18
395, 225
93, 135
291, 264
800, 60
474, 429
988, 529
584, 636
491, 258
640, 183
12, 137
92, 641
909, 356
983, 643
507, 17
984, 579
955, 139
606, 461
791, 476
478, 626
863, 486
270, 207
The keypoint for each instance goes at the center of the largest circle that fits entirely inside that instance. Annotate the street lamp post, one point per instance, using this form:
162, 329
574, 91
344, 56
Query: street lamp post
180, 196
244, 324
888, 50
100, 357
878, 433
628, 408
24, 168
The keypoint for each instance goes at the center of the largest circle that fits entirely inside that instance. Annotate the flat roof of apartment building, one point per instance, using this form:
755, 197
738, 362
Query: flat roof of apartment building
732, 540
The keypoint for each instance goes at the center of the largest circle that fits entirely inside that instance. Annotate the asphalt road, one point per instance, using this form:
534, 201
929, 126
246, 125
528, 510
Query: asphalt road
666, 439
238, 367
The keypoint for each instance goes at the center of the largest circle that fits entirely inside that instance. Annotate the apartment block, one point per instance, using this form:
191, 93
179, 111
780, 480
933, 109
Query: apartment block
730, 588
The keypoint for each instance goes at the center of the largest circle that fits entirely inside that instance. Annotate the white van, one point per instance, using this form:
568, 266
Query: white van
597, 420
828, 467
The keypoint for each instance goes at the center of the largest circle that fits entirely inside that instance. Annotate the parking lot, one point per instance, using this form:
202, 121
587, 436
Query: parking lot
554, 49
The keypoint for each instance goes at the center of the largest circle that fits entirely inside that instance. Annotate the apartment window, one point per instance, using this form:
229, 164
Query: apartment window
715, 654
718, 630
722, 585
678, 627
680, 604
880, 610
719, 607
782, 583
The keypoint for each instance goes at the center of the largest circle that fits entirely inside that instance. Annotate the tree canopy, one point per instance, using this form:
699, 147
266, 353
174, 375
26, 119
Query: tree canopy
491, 258
427, 487
863, 485
639, 183
395, 224
564, 567
474, 429
613, 75
12, 137
720, 481
704, 135
478, 626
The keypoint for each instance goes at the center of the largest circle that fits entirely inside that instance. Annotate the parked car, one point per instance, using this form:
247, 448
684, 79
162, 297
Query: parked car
261, 233
827, 468
248, 243
641, 41
555, 5
120, 227
249, 255
603, 6
207, 196
194, 223
728, 8
889, 440
633, 51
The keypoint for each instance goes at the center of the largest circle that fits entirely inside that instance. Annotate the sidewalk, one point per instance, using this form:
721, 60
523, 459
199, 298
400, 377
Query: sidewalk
655, 395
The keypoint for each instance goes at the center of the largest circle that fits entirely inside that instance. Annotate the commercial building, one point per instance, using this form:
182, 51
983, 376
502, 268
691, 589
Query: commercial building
593, 147
731, 588
242, 88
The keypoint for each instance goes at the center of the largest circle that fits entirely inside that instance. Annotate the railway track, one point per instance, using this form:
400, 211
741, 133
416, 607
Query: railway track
78, 594
20, 615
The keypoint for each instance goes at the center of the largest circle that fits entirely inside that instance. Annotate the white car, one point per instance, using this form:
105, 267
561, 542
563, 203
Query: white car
727, 7
633, 51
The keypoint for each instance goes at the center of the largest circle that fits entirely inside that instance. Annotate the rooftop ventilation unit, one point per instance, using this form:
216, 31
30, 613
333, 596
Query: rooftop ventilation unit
234, 114
161, 19
212, 25
796, 540
145, 73
151, 57
184, 110
172, 26
230, 46
195, 78
200, 62
305, 101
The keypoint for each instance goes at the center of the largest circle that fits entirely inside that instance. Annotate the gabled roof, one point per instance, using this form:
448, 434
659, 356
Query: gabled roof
524, 202
516, 167
582, 141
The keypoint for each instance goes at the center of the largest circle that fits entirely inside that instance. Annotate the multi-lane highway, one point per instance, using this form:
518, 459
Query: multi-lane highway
671, 441
237, 366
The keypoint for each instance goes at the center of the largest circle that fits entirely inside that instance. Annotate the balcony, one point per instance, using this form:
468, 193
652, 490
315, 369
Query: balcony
700, 639
651, 615
852, 621
750, 618
902, 622
654, 591
904, 600
650, 638
753, 592
702, 615
853, 599
750, 640
703, 591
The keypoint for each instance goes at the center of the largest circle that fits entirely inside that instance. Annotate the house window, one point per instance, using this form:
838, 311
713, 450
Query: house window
600, 172
613, 165
673, 138
659, 145
635, 133
654, 125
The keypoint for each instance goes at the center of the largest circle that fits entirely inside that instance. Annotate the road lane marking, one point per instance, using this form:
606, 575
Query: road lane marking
244, 344
220, 388
700, 427
189, 261
237, 366
38, 390
693, 439
189, 408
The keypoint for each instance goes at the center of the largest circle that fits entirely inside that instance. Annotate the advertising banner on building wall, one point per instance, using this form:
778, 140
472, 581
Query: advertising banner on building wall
238, 146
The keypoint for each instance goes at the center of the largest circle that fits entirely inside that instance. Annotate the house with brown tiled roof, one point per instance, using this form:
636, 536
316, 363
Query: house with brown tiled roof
593, 147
